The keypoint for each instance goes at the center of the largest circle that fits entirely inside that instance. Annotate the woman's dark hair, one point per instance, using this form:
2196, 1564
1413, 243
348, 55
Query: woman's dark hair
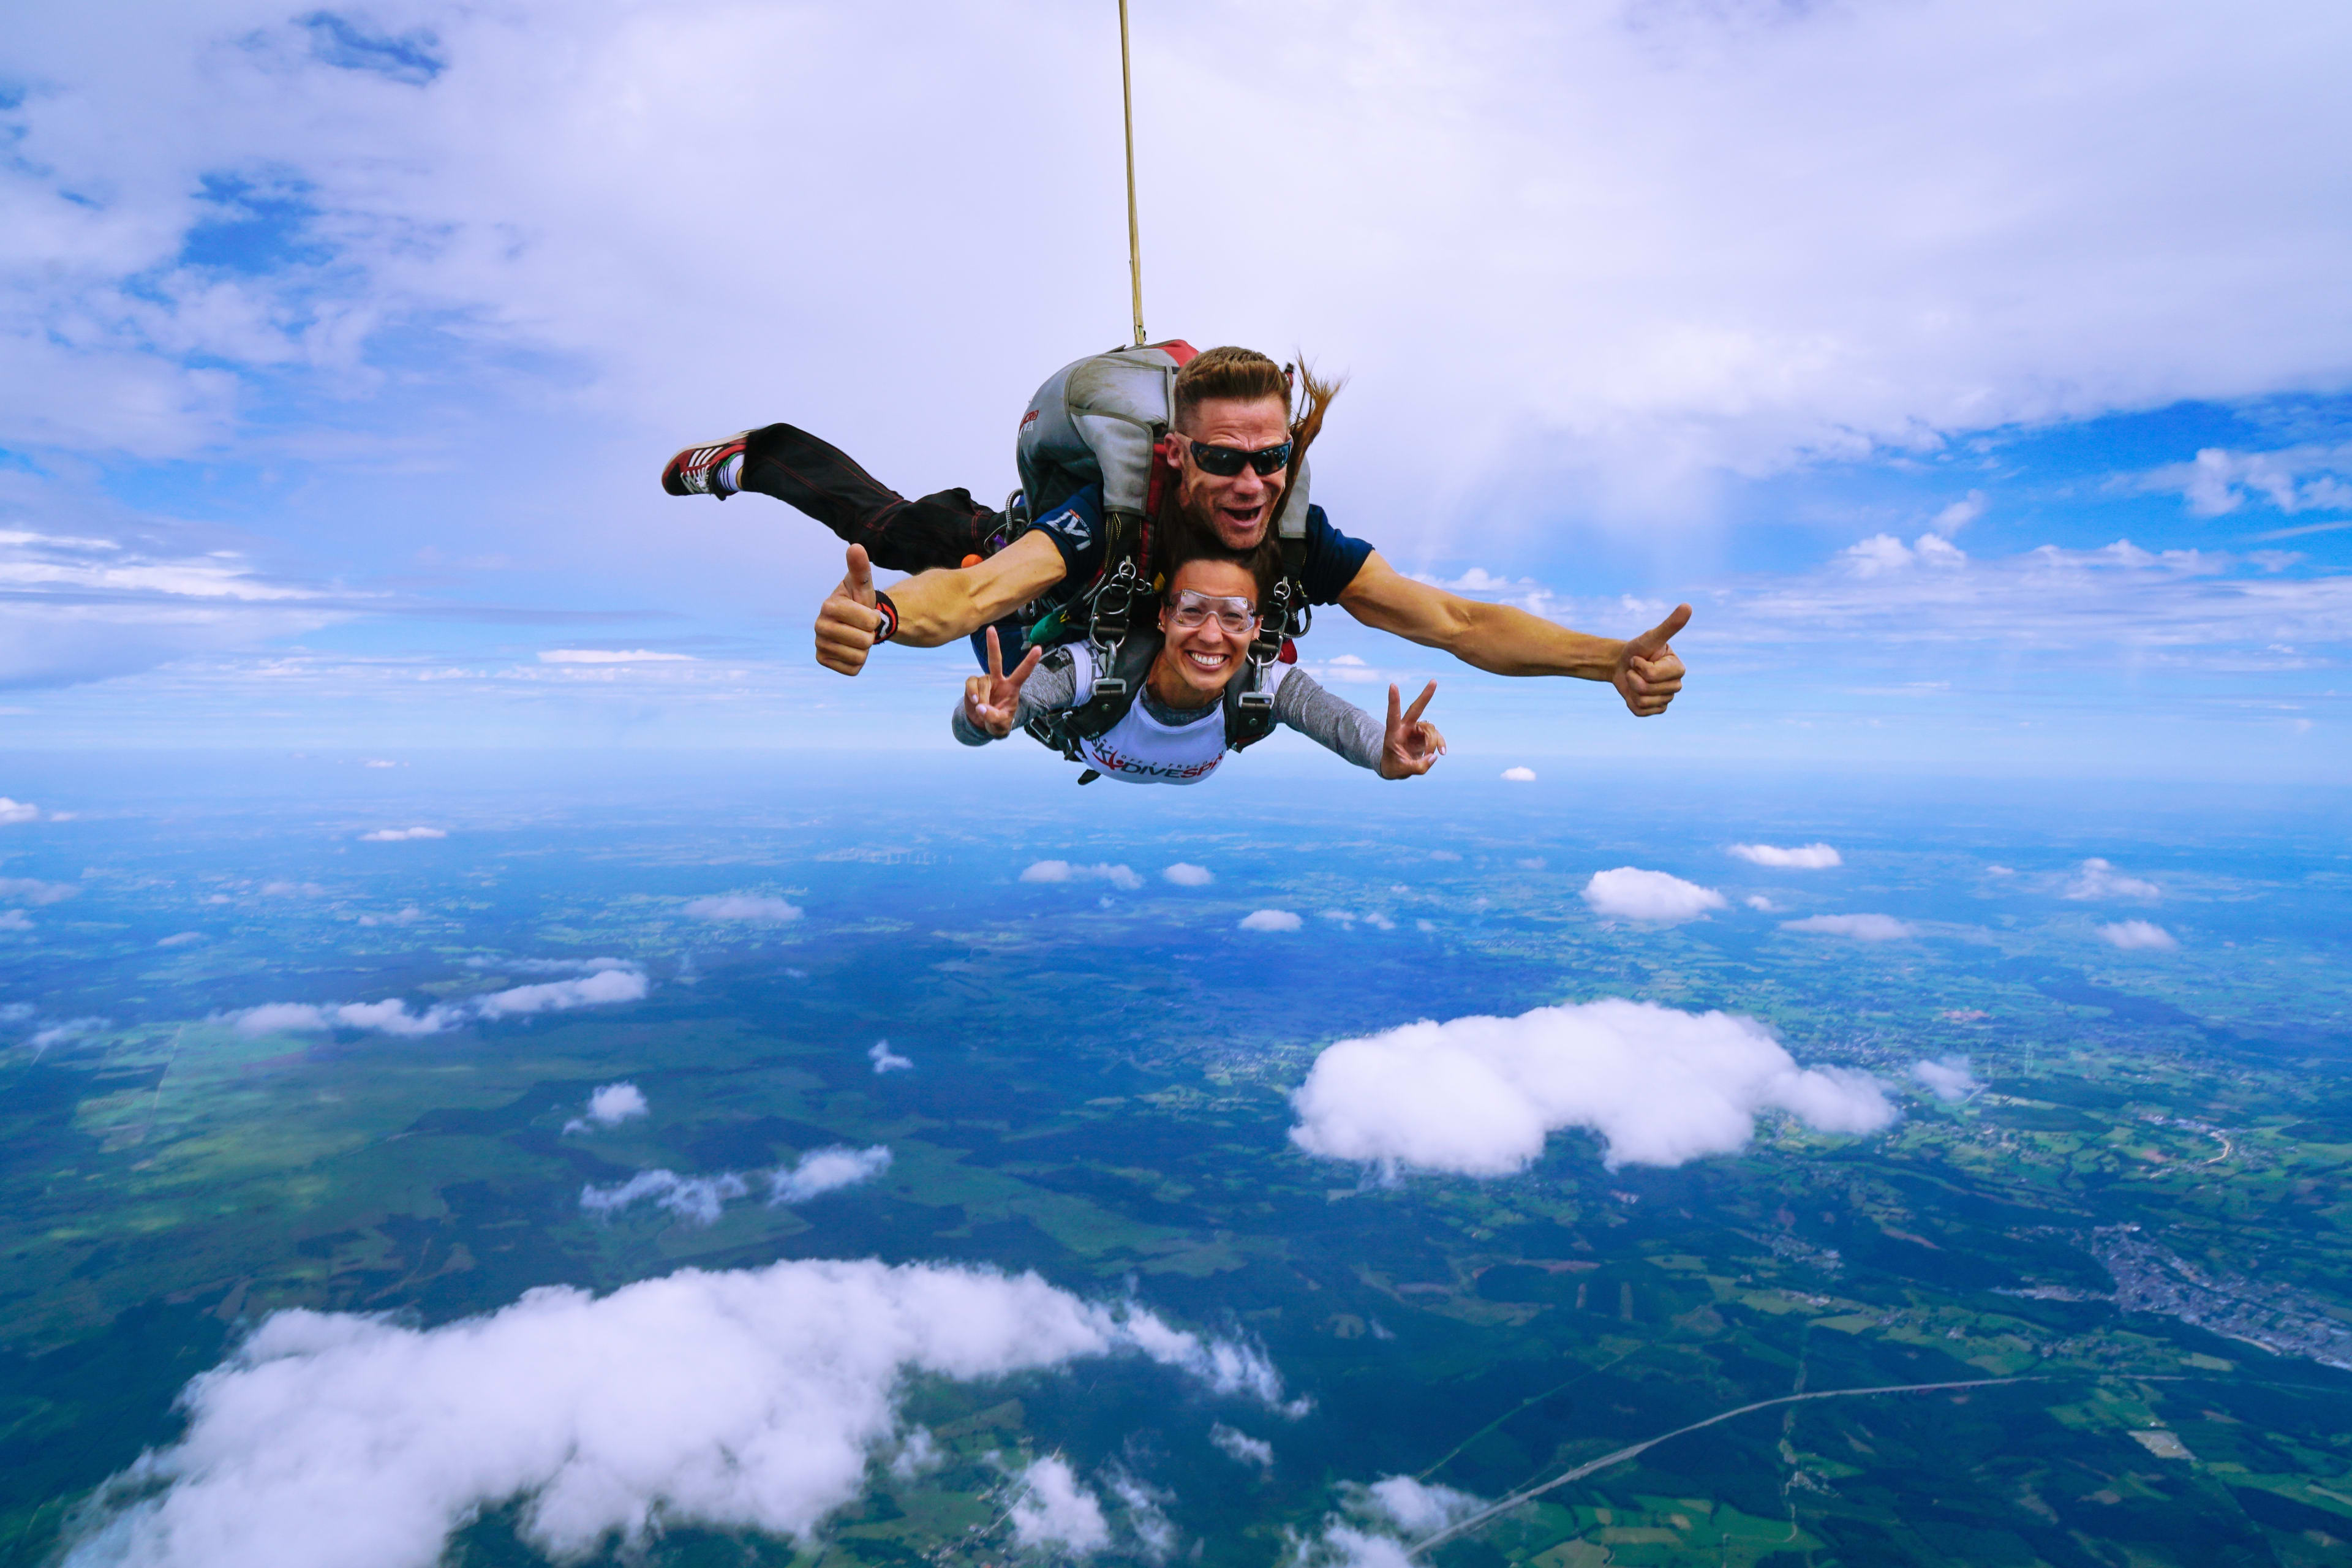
1264, 563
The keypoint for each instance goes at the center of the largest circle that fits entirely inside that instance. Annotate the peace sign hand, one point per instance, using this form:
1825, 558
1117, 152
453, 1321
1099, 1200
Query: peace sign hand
1413, 744
993, 701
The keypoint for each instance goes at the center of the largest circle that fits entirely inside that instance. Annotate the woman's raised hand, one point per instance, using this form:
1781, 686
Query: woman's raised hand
1413, 744
993, 701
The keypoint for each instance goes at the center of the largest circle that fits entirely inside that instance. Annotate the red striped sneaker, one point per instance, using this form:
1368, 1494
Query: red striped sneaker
694, 471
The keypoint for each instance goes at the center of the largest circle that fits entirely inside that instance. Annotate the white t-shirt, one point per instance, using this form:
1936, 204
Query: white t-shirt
1139, 749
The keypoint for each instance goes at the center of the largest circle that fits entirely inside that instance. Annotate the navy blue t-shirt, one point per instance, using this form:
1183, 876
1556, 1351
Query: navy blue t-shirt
1077, 529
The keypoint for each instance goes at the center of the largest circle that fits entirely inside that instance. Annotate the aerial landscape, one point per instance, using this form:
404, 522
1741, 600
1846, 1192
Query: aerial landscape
1262, 785
2107, 1190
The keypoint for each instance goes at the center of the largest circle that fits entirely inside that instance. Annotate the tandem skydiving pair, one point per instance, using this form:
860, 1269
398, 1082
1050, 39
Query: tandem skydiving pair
1151, 576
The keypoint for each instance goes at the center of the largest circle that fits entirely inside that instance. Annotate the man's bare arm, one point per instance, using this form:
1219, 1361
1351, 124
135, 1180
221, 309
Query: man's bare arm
935, 606
1507, 641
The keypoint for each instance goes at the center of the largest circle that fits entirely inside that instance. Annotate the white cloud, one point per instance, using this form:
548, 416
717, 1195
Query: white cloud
1758, 902
2310, 477
611, 655
2098, 879
180, 939
828, 1170
885, 1059
1270, 920
1804, 857
1948, 1077
1147, 1522
32, 891
1416, 1507
14, 811
1630, 893
14, 920
1520, 775
608, 1106
65, 1029
742, 907
1479, 1095
744, 1400
1241, 1447
1054, 1510
392, 1016
695, 1199
1861, 928
2134, 936
1186, 875
1960, 514
401, 834
1120, 877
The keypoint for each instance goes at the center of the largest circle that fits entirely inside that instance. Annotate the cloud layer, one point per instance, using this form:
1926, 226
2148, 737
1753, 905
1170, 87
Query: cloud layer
748, 1400
2139, 936
1479, 1095
755, 909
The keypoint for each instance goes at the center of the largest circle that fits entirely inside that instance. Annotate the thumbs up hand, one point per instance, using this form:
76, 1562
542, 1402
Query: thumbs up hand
1648, 674
847, 622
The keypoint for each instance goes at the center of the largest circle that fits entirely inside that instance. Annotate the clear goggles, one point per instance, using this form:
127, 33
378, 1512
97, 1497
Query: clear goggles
1192, 608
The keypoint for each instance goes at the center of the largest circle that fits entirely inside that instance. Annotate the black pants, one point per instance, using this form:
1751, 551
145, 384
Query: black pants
823, 481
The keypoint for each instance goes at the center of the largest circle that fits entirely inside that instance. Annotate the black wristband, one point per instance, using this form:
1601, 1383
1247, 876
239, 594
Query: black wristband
890, 617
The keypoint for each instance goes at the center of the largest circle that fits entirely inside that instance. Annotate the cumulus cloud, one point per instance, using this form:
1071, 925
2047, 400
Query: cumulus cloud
14, 920
32, 891
1186, 875
65, 1029
1053, 1509
1519, 776
1758, 902
1861, 928
401, 834
1418, 1507
1882, 555
1629, 893
15, 811
697, 1199
1804, 857
1241, 1447
1479, 1095
748, 907
701, 1199
1120, 877
752, 1400
392, 1016
1147, 1522
1270, 920
885, 1059
826, 1170
2134, 936
609, 1106
2098, 879
1948, 1077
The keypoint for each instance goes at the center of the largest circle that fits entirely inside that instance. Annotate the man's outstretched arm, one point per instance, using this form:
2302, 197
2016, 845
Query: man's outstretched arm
935, 606
1506, 641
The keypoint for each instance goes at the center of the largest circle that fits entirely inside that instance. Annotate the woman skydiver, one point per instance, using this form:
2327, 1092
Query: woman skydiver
1177, 726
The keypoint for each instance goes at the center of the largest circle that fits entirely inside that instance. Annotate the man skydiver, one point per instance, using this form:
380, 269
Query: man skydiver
1175, 729
1231, 419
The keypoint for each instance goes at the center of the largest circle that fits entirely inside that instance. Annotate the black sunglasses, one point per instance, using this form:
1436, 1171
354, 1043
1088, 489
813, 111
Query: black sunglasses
1224, 462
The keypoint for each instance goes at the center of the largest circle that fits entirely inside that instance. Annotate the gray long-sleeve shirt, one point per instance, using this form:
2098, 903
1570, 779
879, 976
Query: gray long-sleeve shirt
1300, 702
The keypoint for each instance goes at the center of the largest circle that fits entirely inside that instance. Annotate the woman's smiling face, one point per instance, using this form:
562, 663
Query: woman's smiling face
1197, 663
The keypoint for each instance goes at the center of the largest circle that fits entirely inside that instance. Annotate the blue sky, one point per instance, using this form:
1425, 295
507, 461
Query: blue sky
1982, 373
